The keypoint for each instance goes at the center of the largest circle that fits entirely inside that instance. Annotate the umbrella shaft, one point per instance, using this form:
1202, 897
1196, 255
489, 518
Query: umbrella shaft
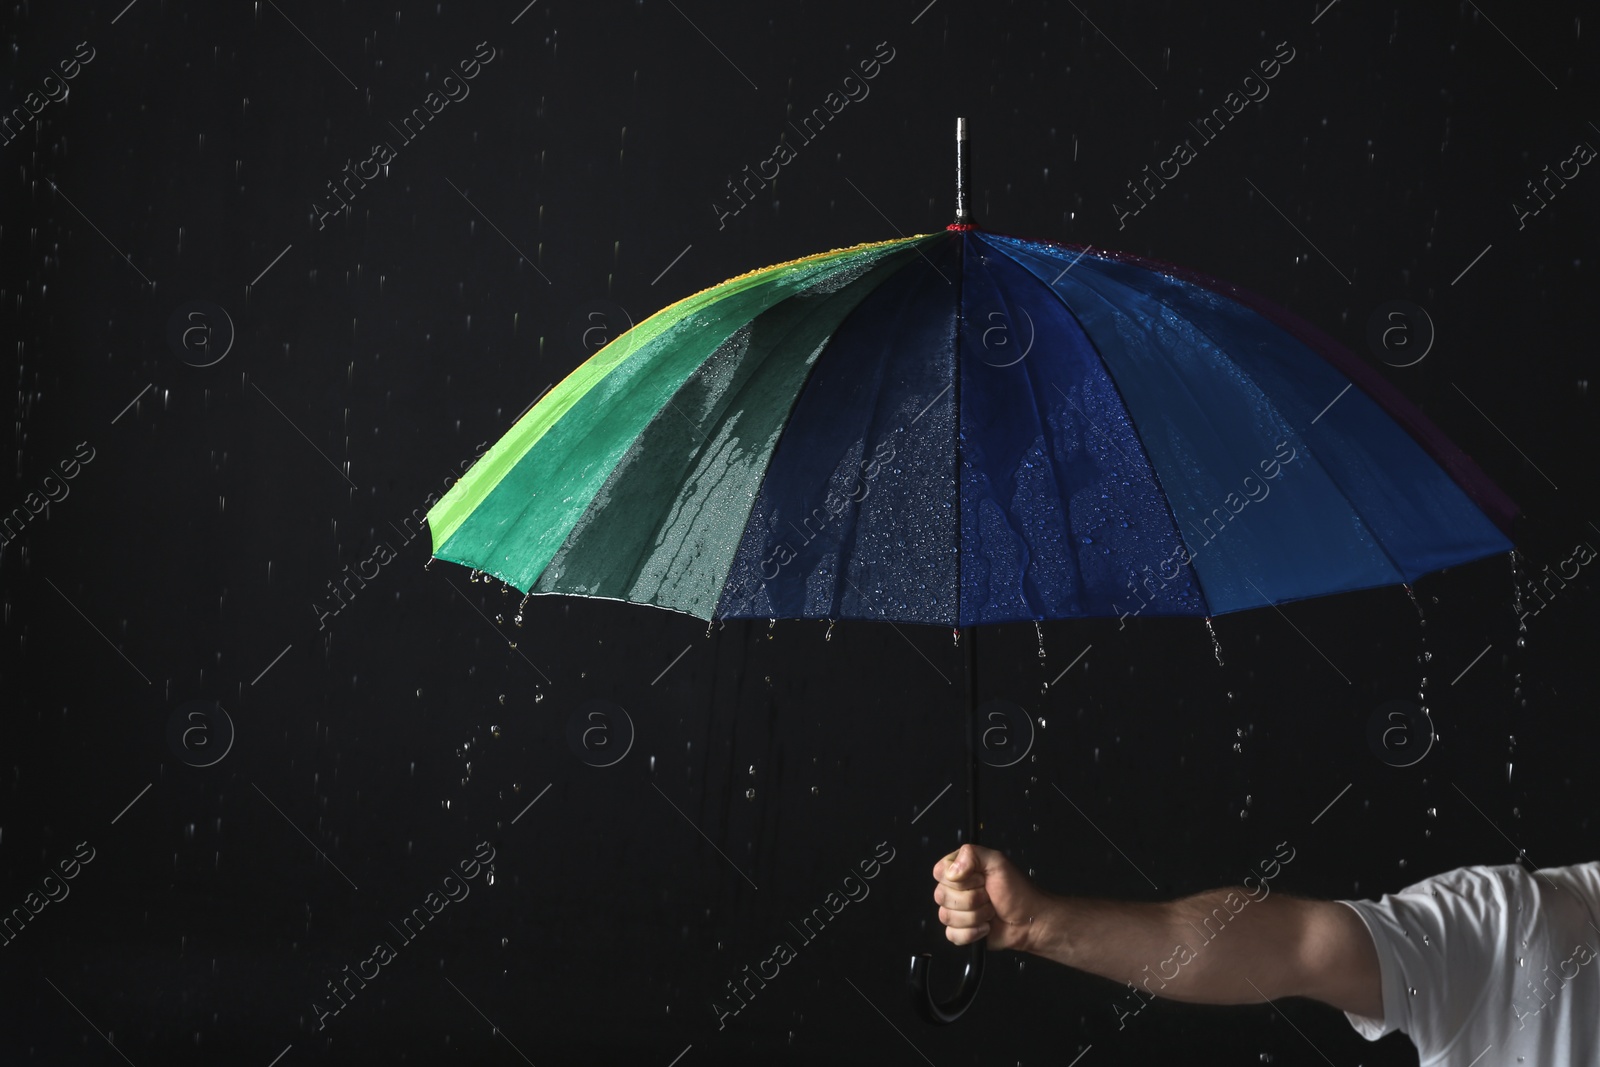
969, 637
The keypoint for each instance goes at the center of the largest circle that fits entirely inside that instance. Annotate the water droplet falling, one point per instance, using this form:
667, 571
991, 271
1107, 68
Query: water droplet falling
1216, 645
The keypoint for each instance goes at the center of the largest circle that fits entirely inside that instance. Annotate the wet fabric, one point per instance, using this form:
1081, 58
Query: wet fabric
1236, 412
855, 516
966, 428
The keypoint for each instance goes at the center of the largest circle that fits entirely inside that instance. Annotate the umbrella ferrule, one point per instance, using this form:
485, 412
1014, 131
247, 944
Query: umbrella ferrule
962, 217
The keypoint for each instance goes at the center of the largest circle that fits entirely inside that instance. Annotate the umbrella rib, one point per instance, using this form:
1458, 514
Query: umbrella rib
849, 539
1040, 412
463, 498
889, 262
1111, 379
1394, 565
1201, 284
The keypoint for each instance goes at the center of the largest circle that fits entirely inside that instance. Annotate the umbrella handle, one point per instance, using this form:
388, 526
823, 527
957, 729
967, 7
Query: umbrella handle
934, 1012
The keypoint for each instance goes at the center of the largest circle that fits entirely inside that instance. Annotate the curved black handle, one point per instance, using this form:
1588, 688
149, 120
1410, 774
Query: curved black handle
941, 1014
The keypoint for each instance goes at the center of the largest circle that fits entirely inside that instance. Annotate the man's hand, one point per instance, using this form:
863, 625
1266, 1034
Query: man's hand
982, 895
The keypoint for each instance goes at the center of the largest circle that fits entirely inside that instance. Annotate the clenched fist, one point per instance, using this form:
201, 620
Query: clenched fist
980, 894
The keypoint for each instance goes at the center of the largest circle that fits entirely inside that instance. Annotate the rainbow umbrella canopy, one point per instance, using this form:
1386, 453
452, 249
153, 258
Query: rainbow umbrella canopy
960, 428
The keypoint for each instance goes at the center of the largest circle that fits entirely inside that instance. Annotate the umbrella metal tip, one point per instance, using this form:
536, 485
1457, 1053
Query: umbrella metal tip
963, 219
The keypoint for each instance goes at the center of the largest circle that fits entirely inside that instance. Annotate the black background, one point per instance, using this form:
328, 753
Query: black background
374, 355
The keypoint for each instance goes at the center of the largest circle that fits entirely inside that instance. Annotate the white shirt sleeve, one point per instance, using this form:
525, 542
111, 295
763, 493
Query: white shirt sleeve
1441, 944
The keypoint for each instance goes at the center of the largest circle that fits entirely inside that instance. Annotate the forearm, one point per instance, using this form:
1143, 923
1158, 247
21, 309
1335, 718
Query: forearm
1219, 947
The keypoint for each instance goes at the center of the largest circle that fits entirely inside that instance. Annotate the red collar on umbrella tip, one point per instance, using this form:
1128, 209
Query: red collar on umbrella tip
961, 226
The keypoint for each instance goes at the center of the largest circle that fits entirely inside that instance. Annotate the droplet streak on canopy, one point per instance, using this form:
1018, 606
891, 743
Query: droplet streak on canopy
687, 481
511, 512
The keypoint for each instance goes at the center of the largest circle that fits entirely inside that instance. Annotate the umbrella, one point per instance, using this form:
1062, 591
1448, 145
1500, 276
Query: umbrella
963, 428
